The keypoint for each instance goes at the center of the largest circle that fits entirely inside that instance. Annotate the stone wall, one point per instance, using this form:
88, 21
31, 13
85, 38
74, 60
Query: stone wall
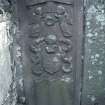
5, 63
7, 70
94, 62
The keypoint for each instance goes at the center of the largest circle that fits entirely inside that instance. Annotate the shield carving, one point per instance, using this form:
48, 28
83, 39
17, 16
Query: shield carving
47, 36
51, 63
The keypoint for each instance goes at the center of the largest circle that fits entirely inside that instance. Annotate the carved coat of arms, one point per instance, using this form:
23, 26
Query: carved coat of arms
50, 35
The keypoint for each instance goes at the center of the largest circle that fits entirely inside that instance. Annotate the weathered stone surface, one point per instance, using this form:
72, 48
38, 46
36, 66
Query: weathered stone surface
94, 67
7, 30
5, 63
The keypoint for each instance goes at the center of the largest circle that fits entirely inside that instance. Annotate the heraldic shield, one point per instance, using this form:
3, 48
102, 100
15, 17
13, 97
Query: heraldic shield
49, 40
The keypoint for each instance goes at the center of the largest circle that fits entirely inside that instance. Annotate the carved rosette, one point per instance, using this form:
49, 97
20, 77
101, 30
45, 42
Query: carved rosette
51, 41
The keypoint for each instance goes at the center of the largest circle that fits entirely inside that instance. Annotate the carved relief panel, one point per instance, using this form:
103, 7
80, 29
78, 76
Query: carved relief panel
49, 51
50, 39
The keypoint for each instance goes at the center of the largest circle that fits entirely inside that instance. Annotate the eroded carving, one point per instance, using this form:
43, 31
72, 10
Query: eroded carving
52, 64
50, 53
37, 70
65, 29
51, 49
67, 68
34, 48
50, 20
61, 10
51, 39
34, 30
38, 11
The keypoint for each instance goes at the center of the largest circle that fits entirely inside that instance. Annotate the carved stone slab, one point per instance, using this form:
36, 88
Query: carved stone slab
51, 45
50, 40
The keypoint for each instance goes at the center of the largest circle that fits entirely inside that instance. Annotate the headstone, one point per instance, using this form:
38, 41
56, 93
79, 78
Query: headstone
50, 36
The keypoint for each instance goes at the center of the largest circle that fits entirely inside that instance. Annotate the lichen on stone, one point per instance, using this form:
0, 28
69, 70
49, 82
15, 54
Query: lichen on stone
94, 64
7, 83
